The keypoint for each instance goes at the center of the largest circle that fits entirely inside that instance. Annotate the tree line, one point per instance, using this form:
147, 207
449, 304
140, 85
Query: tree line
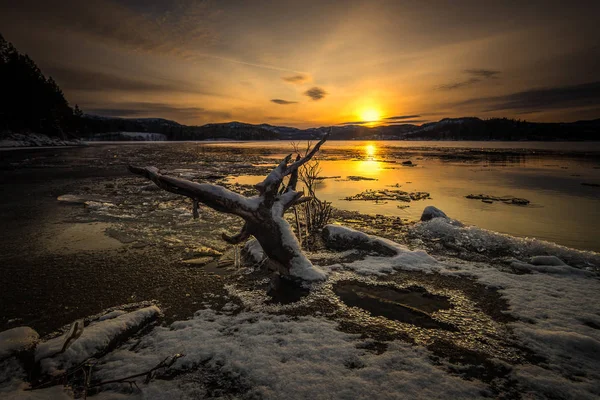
30, 102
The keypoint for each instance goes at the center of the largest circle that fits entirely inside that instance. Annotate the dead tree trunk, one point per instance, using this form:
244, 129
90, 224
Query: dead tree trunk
263, 214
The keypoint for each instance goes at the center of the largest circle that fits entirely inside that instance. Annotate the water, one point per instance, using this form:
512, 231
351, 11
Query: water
548, 174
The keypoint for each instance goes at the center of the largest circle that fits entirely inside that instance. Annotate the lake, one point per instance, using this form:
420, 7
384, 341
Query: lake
550, 175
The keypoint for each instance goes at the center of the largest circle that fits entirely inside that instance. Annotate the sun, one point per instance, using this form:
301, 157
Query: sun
370, 115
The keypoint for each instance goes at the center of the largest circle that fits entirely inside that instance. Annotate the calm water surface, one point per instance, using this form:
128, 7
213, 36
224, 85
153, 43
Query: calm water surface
548, 174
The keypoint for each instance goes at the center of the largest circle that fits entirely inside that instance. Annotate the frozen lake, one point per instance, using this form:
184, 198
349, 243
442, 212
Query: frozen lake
559, 179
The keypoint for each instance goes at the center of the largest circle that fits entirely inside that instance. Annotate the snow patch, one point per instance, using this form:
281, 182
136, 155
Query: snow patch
34, 140
285, 357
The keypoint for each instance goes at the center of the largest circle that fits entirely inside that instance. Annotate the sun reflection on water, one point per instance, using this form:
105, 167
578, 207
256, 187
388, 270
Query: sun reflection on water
370, 150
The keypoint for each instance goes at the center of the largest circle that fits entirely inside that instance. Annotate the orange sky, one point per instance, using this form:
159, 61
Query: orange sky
314, 63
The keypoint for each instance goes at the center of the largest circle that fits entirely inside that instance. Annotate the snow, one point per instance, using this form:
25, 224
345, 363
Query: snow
267, 354
278, 357
403, 259
17, 339
34, 140
557, 306
300, 265
481, 240
253, 250
52, 393
135, 136
96, 338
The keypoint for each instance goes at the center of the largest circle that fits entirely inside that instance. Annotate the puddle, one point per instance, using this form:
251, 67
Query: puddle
73, 238
284, 291
412, 305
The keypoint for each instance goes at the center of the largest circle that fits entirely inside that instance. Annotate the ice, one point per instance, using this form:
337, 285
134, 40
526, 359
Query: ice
497, 244
17, 339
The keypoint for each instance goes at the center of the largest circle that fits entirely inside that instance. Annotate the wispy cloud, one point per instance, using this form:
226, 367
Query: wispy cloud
408, 121
147, 109
297, 79
474, 76
387, 122
400, 117
483, 73
283, 102
587, 94
86, 80
315, 93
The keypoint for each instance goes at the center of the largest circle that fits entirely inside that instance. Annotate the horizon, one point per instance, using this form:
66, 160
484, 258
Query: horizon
293, 64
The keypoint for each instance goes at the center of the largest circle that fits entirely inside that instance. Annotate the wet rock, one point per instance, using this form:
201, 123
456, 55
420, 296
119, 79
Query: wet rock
150, 188
200, 261
486, 198
393, 195
546, 260
359, 178
431, 212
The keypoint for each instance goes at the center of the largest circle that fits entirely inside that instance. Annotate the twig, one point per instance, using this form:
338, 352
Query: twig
148, 374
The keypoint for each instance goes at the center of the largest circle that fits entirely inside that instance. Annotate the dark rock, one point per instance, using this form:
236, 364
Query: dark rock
431, 212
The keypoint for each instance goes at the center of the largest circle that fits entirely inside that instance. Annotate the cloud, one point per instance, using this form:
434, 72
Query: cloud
158, 110
315, 93
86, 80
408, 121
587, 94
483, 73
403, 117
297, 79
476, 76
283, 102
386, 122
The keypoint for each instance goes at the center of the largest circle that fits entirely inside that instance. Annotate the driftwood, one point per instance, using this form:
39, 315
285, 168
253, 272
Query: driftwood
263, 214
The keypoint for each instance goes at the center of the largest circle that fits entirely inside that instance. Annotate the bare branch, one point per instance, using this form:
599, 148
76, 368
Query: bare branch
290, 198
214, 196
293, 178
166, 363
239, 238
274, 179
308, 156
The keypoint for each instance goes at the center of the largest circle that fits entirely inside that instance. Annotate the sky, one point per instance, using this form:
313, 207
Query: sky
315, 63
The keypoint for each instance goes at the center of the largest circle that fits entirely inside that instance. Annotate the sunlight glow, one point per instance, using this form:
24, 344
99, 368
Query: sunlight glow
370, 115
369, 168
370, 150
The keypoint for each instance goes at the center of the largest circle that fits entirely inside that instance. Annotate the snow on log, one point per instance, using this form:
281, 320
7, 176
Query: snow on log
96, 339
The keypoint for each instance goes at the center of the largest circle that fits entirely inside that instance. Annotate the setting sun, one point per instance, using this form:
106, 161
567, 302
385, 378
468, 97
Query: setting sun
370, 115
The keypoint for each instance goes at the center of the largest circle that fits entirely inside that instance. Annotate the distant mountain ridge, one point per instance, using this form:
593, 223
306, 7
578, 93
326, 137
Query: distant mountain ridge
467, 128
